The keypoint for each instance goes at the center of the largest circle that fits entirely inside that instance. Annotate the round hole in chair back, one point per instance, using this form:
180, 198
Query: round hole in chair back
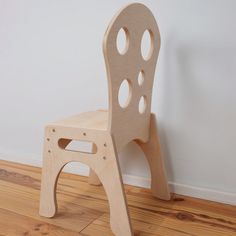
125, 93
142, 104
122, 41
147, 45
141, 78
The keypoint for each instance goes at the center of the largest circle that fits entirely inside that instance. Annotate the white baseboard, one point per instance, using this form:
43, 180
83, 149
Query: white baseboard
204, 193
187, 190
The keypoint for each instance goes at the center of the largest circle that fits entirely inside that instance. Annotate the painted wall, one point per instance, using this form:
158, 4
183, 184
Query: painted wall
51, 66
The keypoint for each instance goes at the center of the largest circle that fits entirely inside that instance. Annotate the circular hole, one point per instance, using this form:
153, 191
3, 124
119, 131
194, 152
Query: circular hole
142, 104
124, 93
146, 45
140, 77
122, 41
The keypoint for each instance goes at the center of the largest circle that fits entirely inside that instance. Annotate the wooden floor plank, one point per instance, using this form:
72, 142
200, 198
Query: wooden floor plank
83, 209
22, 200
13, 224
141, 228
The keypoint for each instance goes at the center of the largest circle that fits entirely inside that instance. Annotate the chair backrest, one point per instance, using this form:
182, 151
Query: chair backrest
128, 123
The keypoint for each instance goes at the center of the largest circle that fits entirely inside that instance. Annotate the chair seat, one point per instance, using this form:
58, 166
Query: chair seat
96, 120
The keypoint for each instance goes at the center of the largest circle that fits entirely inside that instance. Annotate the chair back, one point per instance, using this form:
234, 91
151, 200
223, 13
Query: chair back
129, 122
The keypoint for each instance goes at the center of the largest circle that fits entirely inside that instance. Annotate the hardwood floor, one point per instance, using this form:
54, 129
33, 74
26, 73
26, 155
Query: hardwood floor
83, 209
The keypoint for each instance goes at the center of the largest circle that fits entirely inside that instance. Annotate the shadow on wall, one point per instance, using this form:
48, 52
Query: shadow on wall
198, 111
196, 116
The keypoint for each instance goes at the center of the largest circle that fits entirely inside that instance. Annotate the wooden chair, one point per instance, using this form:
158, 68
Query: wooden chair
111, 130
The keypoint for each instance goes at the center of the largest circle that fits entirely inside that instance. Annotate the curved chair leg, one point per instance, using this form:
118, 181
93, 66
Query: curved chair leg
93, 178
152, 151
110, 176
106, 167
50, 172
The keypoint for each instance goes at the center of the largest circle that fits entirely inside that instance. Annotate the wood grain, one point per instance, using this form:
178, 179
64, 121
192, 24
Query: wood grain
28, 226
110, 131
83, 209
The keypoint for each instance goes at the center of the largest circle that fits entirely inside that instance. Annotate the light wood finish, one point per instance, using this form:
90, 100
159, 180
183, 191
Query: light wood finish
152, 151
93, 178
104, 163
111, 130
84, 209
127, 124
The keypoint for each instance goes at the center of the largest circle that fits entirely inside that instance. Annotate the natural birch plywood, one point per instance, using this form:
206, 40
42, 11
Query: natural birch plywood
109, 131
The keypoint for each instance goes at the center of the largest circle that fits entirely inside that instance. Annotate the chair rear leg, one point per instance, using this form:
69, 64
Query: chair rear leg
152, 151
93, 178
50, 173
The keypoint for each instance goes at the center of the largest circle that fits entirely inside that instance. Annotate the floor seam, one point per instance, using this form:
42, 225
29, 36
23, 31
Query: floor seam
91, 223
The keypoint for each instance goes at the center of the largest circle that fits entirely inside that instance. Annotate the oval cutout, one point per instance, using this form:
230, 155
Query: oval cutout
122, 41
124, 94
140, 78
142, 104
77, 146
147, 45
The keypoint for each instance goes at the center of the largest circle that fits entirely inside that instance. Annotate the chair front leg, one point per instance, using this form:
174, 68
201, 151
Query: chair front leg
109, 174
50, 173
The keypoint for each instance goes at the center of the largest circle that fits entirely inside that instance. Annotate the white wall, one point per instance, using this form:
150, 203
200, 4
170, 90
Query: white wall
51, 66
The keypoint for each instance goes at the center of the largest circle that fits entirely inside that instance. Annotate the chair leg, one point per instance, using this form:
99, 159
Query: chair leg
50, 172
111, 179
106, 167
93, 178
152, 151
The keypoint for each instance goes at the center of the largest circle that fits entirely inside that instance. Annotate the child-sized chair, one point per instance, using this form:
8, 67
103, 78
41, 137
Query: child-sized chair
109, 131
